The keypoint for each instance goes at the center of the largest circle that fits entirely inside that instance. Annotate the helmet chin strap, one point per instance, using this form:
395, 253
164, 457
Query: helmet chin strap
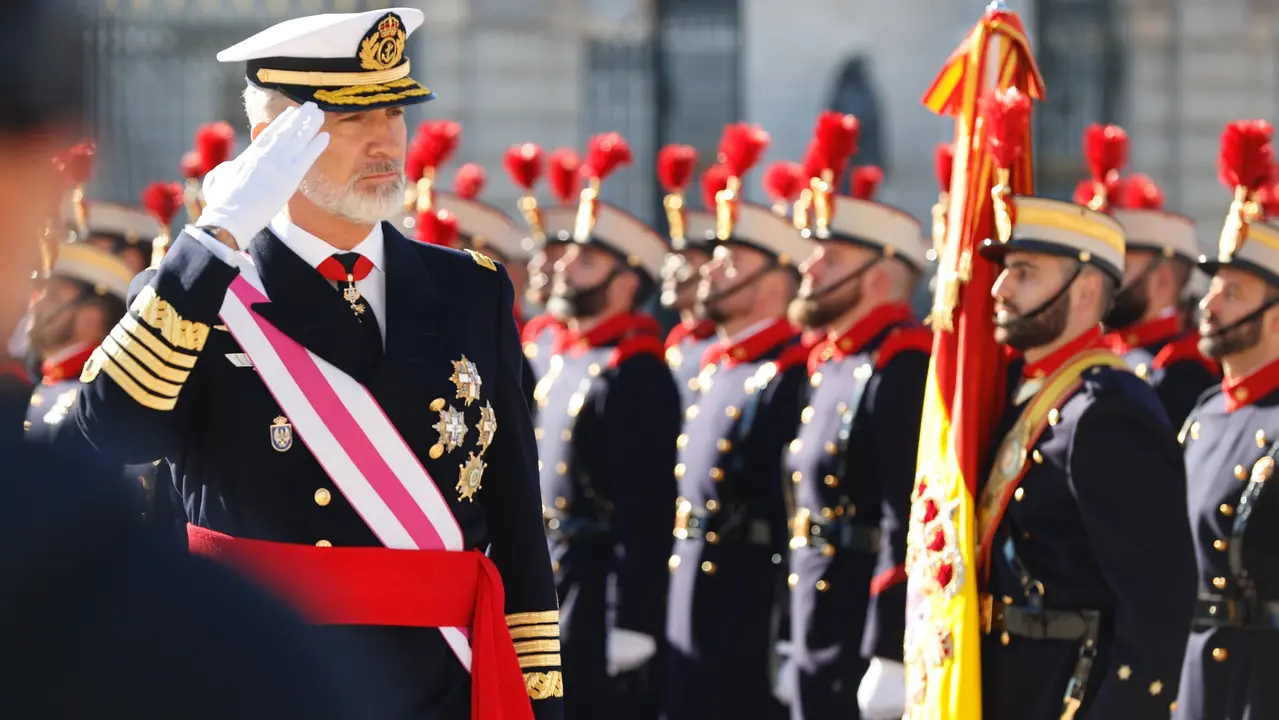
851, 276
1039, 309
738, 287
1245, 319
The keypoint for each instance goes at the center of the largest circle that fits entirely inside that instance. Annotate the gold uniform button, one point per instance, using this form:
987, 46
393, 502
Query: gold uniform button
594, 369
1261, 438
815, 380
561, 502
679, 471
708, 567
1226, 510
673, 563
1219, 545
723, 445
711, 506
681, 442
555, 566
1220, 654
792, 580
1019, 493
831, 481
732, 412
831, 448
827, 513
796, 445
539, 433
796, 477
712, 538
562, 467
822, 586
1194, 430
566, 435
806, 416
323, 543
1054, 416
1037, 457
1241, 472
1219, 583
717, 474
691, 412
323, 497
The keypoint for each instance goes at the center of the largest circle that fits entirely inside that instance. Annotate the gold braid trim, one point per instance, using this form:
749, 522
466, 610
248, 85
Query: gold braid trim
157, 313
537, 646
543, 685
544, 617
359, 94
537, 661
535, 631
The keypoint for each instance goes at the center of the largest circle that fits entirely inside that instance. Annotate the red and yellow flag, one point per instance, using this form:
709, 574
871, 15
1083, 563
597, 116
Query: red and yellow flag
964, 396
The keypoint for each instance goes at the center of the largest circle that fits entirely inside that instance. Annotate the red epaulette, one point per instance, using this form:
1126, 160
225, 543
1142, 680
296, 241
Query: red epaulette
1185, 349
635, 345
796, 354
535, 325
901, 340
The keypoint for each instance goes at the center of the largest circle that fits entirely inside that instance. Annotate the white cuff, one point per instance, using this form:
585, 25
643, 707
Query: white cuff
213, 245
882, 693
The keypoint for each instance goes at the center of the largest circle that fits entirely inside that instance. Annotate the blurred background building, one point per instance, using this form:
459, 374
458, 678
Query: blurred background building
1173, 72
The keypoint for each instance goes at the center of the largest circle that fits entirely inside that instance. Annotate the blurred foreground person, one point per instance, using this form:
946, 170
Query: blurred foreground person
94, 617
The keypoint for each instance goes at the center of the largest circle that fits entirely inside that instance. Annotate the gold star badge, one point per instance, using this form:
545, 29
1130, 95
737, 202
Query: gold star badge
487, 427
467, 379
1156, 687
469, 477
452, 429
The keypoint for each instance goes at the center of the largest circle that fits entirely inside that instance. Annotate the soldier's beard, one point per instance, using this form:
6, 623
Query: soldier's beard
1039, 328
350, 203
569, 302
823, 306
1218, 343
1129, 305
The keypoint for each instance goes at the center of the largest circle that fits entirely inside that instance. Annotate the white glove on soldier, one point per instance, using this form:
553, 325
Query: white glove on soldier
242, 195
882, 693
628, 650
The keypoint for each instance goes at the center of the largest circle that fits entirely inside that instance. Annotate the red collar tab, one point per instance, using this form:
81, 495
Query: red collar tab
333, 269
861, 333
1143, 334
749, 349
610, 331
536, 325
68, 367
1049, 364
1251, 387
697, 330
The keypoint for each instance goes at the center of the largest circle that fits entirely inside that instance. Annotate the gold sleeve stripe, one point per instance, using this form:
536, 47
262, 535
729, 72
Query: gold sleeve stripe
544, 617
148, 359
537, 646
535, 631
162, 351
139, 373
539, 661
543, 685
178, 332
135, 391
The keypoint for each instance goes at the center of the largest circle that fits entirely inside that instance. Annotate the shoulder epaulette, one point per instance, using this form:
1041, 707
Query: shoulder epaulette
792, 356
1185, 349
636, 345
901, 340
482, 260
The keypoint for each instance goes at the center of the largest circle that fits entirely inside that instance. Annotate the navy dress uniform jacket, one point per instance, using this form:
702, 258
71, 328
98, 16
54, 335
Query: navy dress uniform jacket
1098, 521
730, 529
607, 418
852, 470
1229, 671
239, 476
1161, 354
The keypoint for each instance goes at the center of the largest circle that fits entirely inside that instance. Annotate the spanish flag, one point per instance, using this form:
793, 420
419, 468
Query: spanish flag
964, 396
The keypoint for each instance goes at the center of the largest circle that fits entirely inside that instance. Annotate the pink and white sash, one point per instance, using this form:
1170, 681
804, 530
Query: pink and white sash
348, 433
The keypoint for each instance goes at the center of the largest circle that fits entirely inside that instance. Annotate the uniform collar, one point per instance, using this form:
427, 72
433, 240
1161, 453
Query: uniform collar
66, 363
862, 332
1145, 334
696, 329
315, 251
1251, 387
749, 344
1048, 364
608, 332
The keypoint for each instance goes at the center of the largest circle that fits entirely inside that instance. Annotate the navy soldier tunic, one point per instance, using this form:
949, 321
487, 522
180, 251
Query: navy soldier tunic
1230, 449
607, 417
537, 336
173, 383
1162, 353
851, 470
1089, 565
730, 528
685, 345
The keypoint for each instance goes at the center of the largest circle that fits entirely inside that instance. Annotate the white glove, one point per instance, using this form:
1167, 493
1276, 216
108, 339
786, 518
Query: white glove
787, 681
882, 693
628, 650
242, 195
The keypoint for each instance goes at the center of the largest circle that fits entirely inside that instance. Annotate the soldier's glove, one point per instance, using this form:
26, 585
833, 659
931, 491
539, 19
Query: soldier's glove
242, 195
882, 693
628, 650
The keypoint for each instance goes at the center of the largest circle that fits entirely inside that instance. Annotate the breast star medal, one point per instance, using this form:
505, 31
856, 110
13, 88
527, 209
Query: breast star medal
467, 379
452, 429
281, 434
469, 477
487, 427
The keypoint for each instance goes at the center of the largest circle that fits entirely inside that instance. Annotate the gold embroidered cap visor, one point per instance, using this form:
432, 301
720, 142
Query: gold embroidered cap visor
343, 62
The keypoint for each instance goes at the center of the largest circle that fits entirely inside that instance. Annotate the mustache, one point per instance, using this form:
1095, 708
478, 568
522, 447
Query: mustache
381, 167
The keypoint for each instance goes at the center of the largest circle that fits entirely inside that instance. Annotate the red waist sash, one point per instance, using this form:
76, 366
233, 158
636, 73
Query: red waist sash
379, 586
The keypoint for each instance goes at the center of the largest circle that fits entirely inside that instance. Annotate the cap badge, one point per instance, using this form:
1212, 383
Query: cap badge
383, 47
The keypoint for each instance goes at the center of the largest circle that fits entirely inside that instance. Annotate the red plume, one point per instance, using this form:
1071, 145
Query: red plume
814, 160
944, 162
1268, 199
714, 179
836, 137
438, 140
1106, 150
1247, 158
565, 175
468, 183
1139, 192
741, 147
214, 142
76, 162
416, 159
437, 228
524, 164
162, 200
675, 165
1086, 192
1006, 116
783, 181
865, 182
605, 153
191, 165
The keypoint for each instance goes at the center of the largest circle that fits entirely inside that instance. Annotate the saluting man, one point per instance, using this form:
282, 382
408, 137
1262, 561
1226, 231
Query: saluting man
851, 467
1083, 551
607, 417
327, 388
730, 522
1231, 443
